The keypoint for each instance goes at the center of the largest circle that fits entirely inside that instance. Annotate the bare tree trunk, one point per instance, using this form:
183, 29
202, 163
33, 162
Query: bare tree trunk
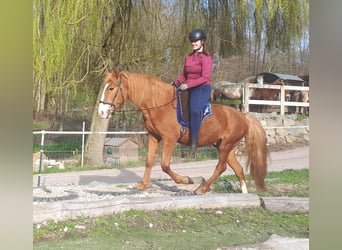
62, 109
93, 155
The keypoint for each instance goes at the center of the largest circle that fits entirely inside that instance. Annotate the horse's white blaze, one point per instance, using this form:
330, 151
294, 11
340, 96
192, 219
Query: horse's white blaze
104, 109
104, 89
244, 187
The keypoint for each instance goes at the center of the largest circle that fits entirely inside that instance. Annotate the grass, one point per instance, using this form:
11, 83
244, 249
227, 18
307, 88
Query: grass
62, 149
181, 229
288, 182
301, 117
229, 102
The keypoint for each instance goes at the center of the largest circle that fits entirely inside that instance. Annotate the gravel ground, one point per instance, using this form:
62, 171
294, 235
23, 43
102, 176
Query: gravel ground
99, 191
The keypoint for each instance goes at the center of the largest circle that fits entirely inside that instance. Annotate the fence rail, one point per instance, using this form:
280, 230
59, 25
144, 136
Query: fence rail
246, 102
282, 103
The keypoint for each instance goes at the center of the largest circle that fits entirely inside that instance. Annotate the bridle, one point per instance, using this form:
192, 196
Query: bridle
119, 89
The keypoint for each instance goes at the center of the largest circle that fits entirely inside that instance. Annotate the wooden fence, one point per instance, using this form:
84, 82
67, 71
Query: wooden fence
281, 102
246, 102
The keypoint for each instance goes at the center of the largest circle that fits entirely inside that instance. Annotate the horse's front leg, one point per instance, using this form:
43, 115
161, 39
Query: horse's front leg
168, 146
150, 159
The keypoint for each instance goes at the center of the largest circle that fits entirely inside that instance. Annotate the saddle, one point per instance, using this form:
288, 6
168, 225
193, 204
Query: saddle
183, 111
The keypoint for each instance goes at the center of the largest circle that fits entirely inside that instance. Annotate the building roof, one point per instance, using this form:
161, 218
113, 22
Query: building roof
116, 141
270, 77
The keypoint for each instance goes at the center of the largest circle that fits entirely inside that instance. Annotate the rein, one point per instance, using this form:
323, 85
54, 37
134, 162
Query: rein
134, 110
149, 108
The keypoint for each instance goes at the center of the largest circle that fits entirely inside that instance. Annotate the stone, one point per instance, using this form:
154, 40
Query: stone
281, 132
288, 122
275, 242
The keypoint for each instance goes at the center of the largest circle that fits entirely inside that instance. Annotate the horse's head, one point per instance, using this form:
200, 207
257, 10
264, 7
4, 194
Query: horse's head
112, 94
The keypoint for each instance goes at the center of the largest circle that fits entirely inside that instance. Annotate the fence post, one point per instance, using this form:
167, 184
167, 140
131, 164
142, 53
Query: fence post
246, 97
41, 156
282, 100
82, 153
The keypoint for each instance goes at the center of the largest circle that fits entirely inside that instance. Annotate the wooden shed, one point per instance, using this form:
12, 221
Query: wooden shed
119, 150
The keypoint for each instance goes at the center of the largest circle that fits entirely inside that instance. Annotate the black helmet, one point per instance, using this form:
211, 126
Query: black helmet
197, 34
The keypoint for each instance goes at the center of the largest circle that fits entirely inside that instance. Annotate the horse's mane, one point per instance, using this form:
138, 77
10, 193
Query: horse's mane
142, 88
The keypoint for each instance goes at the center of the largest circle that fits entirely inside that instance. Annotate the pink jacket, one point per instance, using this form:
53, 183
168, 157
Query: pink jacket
197, 70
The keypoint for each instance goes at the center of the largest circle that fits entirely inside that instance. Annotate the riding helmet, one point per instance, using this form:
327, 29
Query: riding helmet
197, 34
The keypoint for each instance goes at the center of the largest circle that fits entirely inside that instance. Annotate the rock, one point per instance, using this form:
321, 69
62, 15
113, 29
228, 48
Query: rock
281, 132
275, 242
288, 122
286, 204
36, 161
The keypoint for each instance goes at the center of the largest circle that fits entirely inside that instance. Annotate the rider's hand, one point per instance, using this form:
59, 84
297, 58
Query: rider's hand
183, 87
174, 84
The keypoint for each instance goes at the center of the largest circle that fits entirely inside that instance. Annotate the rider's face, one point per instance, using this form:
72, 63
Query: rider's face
196, 45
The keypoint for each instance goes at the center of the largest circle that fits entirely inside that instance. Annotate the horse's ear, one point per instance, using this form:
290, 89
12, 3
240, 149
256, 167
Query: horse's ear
107, 72
115, 73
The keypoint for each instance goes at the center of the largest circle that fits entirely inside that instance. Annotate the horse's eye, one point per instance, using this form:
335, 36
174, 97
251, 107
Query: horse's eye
111, 88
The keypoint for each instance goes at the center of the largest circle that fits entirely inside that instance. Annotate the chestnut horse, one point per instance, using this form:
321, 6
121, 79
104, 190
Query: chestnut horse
224, 129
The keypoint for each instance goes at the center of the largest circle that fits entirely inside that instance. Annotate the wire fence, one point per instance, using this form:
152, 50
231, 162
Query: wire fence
63, 145
69, 146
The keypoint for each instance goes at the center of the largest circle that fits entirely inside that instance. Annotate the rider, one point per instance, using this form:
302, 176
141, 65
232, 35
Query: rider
195, 78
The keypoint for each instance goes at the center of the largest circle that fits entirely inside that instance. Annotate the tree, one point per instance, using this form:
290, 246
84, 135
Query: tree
94, 146
75, 41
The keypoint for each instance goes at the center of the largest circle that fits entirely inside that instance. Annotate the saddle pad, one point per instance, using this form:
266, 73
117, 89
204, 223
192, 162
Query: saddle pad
183, 114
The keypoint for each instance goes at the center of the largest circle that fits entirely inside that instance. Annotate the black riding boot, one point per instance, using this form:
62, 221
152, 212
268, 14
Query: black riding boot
193, 148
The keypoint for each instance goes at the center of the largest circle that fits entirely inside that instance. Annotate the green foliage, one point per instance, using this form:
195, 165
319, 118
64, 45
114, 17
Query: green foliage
301, 117
74, 41
41, 125
228, 102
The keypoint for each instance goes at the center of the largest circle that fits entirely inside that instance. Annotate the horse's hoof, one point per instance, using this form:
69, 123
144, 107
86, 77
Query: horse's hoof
142, 186
199, 192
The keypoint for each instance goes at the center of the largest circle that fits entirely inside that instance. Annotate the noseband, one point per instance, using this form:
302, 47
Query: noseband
116, 94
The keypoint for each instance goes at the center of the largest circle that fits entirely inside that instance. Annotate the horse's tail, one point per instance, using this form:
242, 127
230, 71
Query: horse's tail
257, 152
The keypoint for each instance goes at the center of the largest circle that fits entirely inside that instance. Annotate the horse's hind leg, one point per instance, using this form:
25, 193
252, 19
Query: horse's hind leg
226, 155
238, 170
220, 167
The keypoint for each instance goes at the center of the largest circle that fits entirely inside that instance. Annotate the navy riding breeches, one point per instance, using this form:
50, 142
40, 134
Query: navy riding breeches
198, 96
